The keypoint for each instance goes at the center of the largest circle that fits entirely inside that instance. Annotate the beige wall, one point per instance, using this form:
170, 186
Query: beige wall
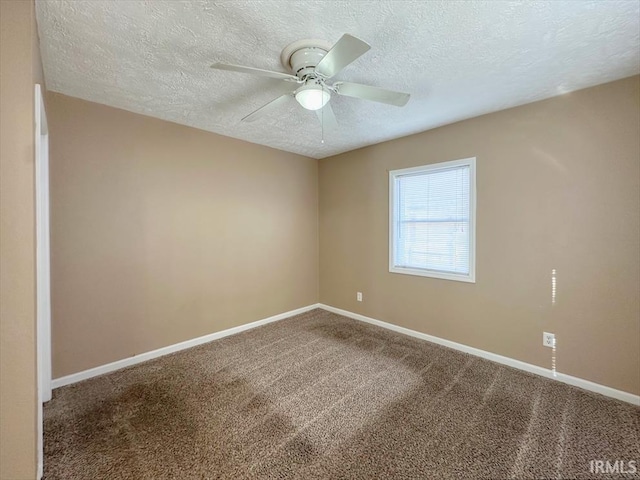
19, 70
162, 233
558, 188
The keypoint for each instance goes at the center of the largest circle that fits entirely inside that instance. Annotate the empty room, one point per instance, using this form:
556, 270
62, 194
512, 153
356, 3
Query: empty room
320, 239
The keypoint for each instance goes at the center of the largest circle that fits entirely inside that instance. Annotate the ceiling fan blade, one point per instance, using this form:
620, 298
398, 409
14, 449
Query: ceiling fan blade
254, 71
345, 51
374, 94
265, 109
327, 117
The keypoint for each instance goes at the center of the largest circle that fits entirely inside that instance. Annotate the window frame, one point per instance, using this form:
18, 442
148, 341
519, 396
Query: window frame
393, 213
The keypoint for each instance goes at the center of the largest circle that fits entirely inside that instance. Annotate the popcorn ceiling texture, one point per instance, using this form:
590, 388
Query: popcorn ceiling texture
456, 59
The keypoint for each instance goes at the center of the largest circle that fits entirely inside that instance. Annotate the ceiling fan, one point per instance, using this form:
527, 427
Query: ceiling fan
313, 63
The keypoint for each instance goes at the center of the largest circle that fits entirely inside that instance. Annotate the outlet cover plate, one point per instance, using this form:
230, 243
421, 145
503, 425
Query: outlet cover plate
548, 339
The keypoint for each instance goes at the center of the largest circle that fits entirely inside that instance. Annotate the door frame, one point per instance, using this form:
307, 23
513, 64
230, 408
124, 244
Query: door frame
43, 267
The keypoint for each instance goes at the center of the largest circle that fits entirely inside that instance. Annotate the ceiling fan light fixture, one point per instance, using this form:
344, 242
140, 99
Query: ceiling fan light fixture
312, 97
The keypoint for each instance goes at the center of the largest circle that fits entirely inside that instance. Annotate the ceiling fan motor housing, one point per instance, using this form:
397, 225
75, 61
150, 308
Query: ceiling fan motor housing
304, 61
301, 57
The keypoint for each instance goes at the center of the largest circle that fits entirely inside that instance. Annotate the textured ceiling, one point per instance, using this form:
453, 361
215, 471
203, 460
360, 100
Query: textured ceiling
457, 59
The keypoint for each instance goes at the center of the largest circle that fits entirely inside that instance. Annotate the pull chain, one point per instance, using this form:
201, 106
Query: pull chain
322, 125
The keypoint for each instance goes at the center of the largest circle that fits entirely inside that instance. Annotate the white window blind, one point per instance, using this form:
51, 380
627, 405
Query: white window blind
432, 224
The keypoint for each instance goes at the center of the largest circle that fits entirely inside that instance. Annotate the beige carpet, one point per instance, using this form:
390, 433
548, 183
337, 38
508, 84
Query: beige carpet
323, 396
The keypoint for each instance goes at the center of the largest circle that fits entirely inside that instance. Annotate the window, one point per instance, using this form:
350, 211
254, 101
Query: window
432, 220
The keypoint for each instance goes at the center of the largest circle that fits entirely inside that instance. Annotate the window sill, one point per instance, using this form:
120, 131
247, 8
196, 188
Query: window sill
434, 274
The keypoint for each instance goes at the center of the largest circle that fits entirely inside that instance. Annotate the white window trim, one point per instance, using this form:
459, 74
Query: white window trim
393, 205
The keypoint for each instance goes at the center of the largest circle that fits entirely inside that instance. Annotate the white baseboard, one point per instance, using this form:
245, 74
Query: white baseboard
143, 357
527, 367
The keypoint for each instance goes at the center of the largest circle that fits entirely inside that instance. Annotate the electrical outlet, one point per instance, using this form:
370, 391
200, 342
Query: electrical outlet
548, 339
359, 296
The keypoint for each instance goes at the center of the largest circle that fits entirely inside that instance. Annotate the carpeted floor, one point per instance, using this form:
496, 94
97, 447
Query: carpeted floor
322, 396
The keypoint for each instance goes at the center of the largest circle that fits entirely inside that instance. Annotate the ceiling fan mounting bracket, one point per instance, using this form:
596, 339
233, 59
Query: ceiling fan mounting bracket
302, 56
